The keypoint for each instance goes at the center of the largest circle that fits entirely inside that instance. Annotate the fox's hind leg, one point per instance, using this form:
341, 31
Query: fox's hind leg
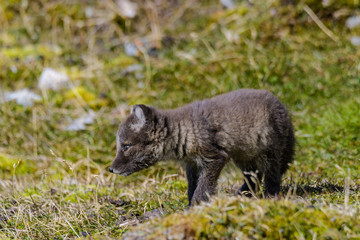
272, 178
277, 160
252, 178
251, 183
272, 183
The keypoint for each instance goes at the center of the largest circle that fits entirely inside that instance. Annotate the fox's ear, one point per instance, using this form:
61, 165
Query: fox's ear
142, 113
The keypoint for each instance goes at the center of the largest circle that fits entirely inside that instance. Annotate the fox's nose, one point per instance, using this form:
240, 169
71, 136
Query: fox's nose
111, 170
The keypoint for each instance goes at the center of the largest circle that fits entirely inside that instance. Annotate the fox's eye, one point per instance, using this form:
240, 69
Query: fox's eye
126, 147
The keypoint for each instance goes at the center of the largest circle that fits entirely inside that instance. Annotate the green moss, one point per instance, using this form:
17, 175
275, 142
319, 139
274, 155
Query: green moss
13, 165
258, 219
31, 50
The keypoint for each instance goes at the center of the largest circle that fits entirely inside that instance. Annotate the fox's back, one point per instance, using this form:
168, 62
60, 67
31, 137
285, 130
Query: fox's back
243, 119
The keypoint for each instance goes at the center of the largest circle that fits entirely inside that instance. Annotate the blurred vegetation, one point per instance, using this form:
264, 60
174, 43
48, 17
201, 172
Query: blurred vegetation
54, 183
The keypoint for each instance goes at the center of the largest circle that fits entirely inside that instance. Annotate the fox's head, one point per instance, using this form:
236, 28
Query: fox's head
139, 141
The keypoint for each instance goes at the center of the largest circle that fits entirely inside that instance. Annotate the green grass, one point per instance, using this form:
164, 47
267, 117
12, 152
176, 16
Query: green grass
54, 183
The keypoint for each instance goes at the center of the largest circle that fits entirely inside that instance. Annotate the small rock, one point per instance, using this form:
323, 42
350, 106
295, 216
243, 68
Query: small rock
23, 97
273, 12
81, 122
127, 8
326, 3
52, 79
13, 69
228, 3
131, 49
89, 12
355, 40
353, 22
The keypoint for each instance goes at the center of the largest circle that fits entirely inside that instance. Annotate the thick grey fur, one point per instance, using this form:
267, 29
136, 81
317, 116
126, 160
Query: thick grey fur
250, 127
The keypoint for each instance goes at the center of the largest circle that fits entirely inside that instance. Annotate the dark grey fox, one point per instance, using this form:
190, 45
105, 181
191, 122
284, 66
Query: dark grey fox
249, 126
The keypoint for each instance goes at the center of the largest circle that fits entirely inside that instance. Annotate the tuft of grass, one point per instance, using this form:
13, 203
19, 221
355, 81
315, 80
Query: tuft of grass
229, 218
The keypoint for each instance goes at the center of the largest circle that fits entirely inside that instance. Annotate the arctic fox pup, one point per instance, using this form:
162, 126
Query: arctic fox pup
250, 127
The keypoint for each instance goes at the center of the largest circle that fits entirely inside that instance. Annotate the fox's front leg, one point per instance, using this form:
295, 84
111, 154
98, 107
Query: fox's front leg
192, 175
208, 175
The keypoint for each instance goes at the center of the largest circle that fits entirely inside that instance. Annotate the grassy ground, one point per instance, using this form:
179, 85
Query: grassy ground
54, 182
